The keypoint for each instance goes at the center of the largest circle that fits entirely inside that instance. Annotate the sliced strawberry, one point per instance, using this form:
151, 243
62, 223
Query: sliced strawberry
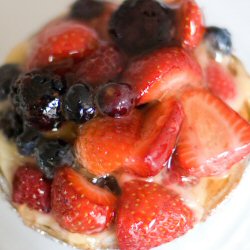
62, 40
79, 206
104, 143
102, 66
150, 215
220, 81
213, 137
30, 187
162, 72
161, 127
191, 24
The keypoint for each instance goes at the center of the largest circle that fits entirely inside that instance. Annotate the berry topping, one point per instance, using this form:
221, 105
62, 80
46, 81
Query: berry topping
78, 104
27, 141
8, 74
218, 40
104, 143
51, 154
213, 137
163, 71
150, 215
62, 40
36, 95
11, 123
108, 182
191, 25
220, 81
86, 9
79, 206
115, 99
150, 24
31, 188
102, 66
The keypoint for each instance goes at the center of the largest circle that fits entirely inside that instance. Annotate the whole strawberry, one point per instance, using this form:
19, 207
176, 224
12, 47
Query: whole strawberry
150, 215
30, 187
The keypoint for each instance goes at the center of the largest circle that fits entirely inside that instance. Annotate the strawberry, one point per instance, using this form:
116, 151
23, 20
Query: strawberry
79, 206
158, 136
162, 72
30, 187
150, 215
213, 136
104, 143
102, 66
62, 40
191, 24
220, 81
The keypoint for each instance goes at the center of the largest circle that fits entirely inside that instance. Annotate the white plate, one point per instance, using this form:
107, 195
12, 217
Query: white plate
229, 227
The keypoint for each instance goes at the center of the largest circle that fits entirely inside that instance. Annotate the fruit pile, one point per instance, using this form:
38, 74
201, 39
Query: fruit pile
111, 91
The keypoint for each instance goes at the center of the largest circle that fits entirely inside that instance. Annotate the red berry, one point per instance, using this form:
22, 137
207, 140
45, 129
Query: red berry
30, 187
191, 24
213, 136
150, 215
102, 66
79, 206
161, 73
60, 41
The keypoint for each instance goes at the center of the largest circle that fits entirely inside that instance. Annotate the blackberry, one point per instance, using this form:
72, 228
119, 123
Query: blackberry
8, 74
51, 154
219, 40
11, 123
108, 182
78, 104
86, 9
140, 25
37, 97
115, 99
27, 141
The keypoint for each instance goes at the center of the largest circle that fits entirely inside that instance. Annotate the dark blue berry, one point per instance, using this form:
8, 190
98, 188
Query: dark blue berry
108, 182
11, 123
36, 96
140, 25
27, 141
86, 9
115, 99
78, 104
8, 74
51, 154
219, 40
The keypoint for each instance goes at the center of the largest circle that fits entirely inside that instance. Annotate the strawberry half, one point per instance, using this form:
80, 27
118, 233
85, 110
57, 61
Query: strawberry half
150, 215
191, 24
159, 133
60, 41
104, 143
213, 136
220, 81
30, 187
161, 73
79, 206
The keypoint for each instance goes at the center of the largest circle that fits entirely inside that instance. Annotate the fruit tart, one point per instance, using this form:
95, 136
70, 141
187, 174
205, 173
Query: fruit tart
123, 126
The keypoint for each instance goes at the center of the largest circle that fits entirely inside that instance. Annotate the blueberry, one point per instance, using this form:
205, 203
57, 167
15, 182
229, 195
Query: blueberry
86, 9
108, 182
78, 104
51, 154
115, 99
219, 40
11, 123
8, 74
140, 25
27, 141
36, 96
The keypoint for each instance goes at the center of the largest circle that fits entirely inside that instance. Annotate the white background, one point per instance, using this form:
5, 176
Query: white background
229, 227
